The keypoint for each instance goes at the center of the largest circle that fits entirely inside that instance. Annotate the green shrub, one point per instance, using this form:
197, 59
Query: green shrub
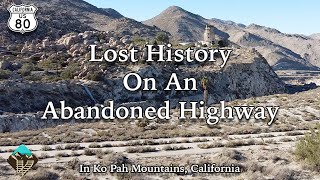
95, 76
26, 69
70, 72
5, 74
307, 148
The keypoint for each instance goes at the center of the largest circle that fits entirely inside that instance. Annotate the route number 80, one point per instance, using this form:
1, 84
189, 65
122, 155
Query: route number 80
25, 23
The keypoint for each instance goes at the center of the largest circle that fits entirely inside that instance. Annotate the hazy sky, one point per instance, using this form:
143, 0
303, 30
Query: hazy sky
289, 16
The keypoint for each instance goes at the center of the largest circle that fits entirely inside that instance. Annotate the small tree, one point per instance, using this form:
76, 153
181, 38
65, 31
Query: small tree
162, 37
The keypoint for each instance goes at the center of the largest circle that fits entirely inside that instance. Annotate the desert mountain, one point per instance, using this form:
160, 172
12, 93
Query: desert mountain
59, 17
181, 24
305, 46
186, 26
315, 36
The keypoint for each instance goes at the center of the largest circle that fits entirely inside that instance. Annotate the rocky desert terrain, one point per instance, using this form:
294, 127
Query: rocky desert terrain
266, 68
263, 152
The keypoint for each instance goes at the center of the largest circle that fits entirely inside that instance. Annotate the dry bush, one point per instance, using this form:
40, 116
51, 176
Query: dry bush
70, 175
44, 156
89, 152
2, 159
73, 147
107, 145
211, 145
285, 174
73, 164
62, 154
75, 154
200, 140
294, 133
94, 145
140, 149
117, 159
59, 147
41, 174
174, 148
254, 166
99, 153
46, 148
4, 170
235, 143
285, 139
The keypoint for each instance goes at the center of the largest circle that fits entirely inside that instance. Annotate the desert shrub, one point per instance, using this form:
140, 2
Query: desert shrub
69, 175
70, 72
117, 159
285, 139
62, 154
162, 37
59, 147
142, 123
307, 149
285, 174
89, 152
254, 166
235, 143
294, 133
99, 153
94, 145
173, 148
150, 142
4, 74
209, 146
139, 41
95, 76
44, 156
73, 163
46, 148
140, 149
41, 174
26, 69
107, 145
4, 169
73, 147
75, 154
200, 140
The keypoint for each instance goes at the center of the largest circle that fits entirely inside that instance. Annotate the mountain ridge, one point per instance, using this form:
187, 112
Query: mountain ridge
187, 26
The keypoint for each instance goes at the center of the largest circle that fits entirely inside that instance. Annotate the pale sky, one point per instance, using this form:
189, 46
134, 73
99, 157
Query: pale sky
288, 16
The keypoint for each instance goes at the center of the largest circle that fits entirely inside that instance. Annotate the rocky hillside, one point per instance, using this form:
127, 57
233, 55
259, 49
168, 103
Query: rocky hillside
59, 17
247, 75
113, 13
306, 47
315, 36
181, 24
281, 51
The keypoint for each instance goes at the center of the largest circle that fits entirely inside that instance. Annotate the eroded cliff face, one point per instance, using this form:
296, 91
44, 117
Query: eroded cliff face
247, 74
